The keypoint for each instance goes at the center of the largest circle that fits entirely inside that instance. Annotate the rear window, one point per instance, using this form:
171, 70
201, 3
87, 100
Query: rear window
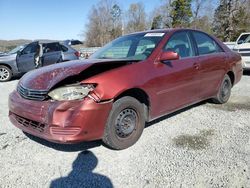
64, 48
75, 42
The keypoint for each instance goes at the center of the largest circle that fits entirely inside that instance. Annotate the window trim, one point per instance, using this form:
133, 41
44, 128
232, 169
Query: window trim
196, 45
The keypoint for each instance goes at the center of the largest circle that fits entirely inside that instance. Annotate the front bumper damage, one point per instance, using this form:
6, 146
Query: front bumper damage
60, 121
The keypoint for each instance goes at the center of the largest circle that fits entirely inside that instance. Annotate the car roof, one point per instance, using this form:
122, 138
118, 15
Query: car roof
46, 41
164, 30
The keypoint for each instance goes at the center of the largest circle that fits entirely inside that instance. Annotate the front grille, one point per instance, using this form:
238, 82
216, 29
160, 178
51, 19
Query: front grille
244, 50
65, 131
30, 123
245, 54
30, 94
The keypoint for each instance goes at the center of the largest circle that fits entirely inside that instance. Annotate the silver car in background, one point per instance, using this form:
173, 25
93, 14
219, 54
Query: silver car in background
24, 60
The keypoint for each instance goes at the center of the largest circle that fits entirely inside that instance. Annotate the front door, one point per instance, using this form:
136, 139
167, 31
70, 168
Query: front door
178, 81
26, 58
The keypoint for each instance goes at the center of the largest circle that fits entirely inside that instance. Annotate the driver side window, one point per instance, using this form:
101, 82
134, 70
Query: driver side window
31, 48
181, 44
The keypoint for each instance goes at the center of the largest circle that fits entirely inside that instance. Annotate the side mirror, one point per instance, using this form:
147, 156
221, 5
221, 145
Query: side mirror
18, 53
169, 56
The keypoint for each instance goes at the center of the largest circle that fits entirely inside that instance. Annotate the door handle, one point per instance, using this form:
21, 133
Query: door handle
196, 66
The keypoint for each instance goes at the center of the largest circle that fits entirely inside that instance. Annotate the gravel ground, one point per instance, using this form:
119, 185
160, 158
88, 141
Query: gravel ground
206, 145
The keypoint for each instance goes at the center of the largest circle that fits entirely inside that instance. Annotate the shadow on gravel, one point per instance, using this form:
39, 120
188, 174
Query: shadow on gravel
174, 113
82, 174
234, 104
65, 147
195, 142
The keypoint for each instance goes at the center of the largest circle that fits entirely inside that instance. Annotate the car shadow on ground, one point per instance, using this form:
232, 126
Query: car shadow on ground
174, 113
92, 144
65, 147
82, 174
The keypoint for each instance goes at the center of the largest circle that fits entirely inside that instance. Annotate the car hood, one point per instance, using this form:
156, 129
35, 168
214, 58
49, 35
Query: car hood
7, 57
242, 46
46, 77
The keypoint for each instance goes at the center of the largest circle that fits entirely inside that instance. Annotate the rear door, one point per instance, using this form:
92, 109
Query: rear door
51, 53
178, 83
212, 61
26, 58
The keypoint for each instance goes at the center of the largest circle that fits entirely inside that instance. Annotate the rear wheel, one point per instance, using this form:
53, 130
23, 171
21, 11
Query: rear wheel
224, 91
60, 60
5, 73
125, 123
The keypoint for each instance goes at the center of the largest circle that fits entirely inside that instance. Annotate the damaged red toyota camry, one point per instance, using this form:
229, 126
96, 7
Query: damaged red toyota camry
132, 80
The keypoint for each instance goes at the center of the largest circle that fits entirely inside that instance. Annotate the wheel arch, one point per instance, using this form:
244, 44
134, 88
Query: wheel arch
6, 65
231, 76
138, 94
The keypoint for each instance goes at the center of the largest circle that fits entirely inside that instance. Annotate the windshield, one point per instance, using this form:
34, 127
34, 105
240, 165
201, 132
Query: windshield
130, 47
16, 49
247, 39
244, 39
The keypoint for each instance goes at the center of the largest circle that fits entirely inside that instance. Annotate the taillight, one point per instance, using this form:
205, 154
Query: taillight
77, 54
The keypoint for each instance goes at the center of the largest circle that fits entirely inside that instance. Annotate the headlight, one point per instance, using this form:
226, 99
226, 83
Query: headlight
71, 92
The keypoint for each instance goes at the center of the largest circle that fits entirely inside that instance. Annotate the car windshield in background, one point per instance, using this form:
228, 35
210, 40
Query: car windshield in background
16, 49
245, 38
130, 47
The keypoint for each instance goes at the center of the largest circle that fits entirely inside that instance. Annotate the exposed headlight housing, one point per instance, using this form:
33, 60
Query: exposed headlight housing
71, 92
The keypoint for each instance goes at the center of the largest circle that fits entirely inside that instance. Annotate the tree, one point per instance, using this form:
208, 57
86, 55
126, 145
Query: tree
230, 19
240, 22
104, 23
181, 13
202, 15
157, 22
174, 13
136, 18
222, 20
117, 21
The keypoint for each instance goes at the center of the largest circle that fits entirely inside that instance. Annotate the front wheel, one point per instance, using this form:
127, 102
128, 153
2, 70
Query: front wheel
125, 123
5, 73
224, 91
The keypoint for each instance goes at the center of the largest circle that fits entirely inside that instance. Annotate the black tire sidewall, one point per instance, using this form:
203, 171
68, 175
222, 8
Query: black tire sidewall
220, 98
10, 73
110, 138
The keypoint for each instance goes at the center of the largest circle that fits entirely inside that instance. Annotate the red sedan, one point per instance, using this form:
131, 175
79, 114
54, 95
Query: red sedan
132, 80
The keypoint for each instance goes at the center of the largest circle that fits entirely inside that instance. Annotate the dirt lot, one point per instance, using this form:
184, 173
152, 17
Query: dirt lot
206, 145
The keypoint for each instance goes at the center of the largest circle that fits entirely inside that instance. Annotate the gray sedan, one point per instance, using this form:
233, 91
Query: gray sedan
24, 60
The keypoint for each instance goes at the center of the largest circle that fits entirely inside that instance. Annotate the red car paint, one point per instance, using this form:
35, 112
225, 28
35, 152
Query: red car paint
168, 88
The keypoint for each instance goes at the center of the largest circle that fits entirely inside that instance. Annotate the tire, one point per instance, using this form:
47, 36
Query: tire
59, 60
5, 73
224, 91
125, 123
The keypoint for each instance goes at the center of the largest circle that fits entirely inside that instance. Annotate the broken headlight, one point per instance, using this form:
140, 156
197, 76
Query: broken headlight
71, 92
